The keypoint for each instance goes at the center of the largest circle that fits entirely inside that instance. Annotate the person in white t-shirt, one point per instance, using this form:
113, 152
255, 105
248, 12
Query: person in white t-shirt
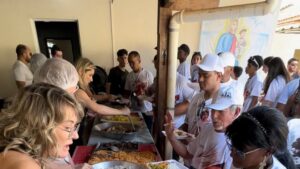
22, 74
254, 84
209, 149
228, 61
258, 140
183, 97
137, 81
275, 81
289, 89
210, 74
184, 66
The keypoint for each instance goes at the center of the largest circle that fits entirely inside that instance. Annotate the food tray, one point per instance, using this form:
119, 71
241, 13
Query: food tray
118, 165
140, 157
171, 164
123, 146
128, 133
136, 119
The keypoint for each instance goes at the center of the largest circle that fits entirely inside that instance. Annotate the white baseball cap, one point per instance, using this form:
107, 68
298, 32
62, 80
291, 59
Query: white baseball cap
227, 59
211, 62
227, 96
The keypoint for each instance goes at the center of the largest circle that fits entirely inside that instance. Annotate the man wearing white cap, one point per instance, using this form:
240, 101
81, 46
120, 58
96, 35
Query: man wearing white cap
210, 149
228, 61
210, 74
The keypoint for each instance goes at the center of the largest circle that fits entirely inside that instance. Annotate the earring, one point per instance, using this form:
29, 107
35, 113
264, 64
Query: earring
263, 163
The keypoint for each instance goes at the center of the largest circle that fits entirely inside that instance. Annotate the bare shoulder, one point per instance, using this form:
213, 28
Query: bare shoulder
81, 94
17, 160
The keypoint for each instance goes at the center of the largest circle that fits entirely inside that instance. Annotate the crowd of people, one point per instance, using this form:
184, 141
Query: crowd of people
249, 127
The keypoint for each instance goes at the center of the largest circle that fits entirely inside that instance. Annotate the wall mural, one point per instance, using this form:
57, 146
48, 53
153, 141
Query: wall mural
243, 37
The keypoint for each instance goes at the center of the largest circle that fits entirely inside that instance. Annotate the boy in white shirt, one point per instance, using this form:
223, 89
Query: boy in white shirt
137, 81
254, 84
184, 66
228, 61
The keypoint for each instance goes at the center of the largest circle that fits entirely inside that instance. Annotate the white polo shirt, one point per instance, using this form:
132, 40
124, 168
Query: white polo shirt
22, 73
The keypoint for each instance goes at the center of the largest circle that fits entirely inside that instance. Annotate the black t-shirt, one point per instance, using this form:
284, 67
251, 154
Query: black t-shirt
117, 78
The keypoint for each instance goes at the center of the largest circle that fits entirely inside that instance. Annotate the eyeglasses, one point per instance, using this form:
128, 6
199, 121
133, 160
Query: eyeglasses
239, 153
71, 130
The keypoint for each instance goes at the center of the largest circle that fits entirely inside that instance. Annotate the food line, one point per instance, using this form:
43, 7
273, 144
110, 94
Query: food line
138, 147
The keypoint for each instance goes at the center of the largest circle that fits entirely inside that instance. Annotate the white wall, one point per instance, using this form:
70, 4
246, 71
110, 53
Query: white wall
189, 34
133, 29
284, 45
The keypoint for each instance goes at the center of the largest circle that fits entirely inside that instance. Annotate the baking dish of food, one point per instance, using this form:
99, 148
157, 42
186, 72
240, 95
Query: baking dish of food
116, 131
118, 165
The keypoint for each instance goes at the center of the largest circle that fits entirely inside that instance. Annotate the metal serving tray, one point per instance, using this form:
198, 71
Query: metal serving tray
114, 135
118, 165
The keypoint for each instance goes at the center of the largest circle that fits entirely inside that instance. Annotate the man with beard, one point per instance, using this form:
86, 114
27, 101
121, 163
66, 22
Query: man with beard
22, 74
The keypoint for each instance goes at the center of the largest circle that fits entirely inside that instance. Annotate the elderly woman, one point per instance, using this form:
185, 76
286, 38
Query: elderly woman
40, 124
86, 70
258, 140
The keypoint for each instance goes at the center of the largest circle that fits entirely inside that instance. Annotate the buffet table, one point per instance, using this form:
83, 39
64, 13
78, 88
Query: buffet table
142, 140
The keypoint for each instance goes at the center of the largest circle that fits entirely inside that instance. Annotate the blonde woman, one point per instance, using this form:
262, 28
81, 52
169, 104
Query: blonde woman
40, 124
86, 70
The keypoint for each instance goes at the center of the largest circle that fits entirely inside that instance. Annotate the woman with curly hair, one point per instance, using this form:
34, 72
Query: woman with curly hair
40, 125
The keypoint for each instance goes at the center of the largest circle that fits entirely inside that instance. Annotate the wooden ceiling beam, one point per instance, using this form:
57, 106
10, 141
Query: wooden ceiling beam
191, 5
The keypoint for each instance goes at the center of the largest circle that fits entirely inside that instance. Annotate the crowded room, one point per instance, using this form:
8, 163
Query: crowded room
150, 84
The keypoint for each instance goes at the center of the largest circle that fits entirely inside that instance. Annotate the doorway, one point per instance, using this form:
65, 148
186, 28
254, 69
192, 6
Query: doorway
64, 34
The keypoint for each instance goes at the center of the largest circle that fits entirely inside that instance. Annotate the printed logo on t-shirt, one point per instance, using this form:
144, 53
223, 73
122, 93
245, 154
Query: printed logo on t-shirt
177, 97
